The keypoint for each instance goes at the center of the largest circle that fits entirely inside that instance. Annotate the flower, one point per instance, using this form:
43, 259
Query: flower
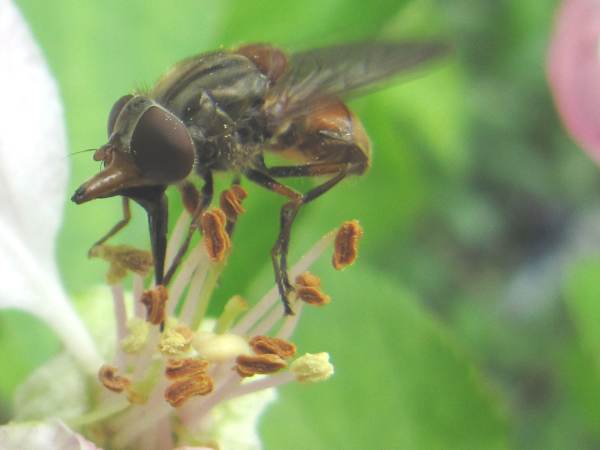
203, 380
574, 71
163, 374
34, 174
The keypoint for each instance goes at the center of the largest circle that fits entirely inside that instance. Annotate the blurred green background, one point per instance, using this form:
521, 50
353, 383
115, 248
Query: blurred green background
471, 320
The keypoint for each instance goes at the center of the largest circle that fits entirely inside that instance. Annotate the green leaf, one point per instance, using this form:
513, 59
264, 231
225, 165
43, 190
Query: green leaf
25, 343
582, 295
400, 382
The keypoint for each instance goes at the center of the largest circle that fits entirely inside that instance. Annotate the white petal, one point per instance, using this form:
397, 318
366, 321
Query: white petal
234, 424
33, 164
33, 177
42, 436
56, 389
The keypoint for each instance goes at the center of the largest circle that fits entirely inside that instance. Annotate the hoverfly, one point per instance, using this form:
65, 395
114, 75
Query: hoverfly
222, 111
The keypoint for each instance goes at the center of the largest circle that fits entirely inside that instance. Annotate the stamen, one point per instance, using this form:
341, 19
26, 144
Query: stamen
220, 347
111, 381
275, 346
216, 239
312, 368
195, 288
235, 306
271, 381
260, 309
153, 379
144, 361
122, 258
177, 236
185, 368
346, 244
290, 323
155, 301
308, 279
175, 340
181, 391
249, 365
274, 316
231, 202
120, 318
138, 289
137, 337
312, 296
146, 372
189, 195
210, 283
307, 290
191, 265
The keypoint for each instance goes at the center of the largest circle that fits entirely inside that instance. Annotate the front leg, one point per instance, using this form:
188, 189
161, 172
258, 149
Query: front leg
117, 227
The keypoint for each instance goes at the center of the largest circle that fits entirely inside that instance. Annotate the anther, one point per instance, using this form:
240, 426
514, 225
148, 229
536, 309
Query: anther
274, 346
175, 340
185, 368
122, 258
216, 238
308, 279
308, 290
155, 301
180, 391
312, 296
249, 365
111, 380
231, 202
346, 244
189, 195
312, 368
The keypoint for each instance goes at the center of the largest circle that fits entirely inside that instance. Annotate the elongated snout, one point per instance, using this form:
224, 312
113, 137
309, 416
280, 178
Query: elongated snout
120, 174
104, 184
80, 196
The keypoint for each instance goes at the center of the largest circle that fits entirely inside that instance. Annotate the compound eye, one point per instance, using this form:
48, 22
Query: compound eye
162, 147
115, 110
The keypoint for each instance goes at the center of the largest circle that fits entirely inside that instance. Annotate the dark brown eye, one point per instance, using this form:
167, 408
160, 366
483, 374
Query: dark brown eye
162, 147
115, 110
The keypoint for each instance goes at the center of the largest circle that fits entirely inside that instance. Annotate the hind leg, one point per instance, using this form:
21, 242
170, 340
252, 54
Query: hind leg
288, 214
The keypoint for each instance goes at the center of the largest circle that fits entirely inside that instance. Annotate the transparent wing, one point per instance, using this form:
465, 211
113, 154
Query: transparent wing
342, 70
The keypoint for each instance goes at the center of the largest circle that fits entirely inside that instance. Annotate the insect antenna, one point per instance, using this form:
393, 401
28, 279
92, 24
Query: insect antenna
80, 151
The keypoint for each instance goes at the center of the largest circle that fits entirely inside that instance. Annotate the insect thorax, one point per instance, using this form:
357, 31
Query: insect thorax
218, 97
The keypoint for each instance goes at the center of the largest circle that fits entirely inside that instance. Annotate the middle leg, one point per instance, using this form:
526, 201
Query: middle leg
200, 205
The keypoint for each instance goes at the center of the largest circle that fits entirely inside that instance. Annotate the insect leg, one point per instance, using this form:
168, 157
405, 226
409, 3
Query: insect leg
288, 214
306, 170
206, 195
230, 227
117, 227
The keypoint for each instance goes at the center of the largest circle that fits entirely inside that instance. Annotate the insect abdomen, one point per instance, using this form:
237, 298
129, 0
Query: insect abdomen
330, 133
